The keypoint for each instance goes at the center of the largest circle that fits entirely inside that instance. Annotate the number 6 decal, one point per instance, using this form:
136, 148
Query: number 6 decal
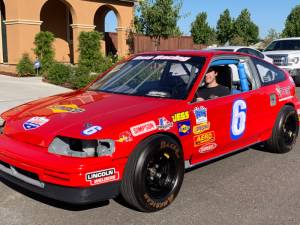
238, 119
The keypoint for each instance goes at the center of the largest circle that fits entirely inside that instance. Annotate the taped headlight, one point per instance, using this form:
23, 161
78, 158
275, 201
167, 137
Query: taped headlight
2, 123
81, 148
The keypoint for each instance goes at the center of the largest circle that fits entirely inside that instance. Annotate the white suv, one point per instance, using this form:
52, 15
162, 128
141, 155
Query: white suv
285, 53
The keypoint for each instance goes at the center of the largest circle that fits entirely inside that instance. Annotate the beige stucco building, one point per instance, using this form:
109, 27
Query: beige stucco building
22, 19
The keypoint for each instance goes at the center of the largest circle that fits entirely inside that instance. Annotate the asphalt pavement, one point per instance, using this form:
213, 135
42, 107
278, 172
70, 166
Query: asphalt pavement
251, 187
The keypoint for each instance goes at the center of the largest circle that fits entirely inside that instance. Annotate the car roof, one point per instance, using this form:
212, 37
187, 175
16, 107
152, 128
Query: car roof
205, 52
290, 38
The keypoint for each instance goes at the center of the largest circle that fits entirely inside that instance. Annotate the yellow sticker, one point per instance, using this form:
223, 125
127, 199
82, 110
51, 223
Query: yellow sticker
71, 108
201, 128
181, 116
204, 138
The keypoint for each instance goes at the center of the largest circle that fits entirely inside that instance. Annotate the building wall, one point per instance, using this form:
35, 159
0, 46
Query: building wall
26, 18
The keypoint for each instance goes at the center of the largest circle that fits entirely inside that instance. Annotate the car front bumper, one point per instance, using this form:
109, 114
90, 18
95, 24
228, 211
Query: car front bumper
57, 177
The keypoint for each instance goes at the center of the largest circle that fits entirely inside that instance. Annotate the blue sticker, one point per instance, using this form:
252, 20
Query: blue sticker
35, 122
184, 128
91, 130
200, 114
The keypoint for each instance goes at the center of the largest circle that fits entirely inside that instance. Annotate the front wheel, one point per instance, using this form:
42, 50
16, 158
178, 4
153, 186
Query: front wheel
153, 174
285, 131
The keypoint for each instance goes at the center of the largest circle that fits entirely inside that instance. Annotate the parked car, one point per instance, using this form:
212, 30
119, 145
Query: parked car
137, 128
285, 53
244, 49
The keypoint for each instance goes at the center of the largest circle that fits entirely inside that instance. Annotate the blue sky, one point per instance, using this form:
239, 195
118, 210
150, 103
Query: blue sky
266, 14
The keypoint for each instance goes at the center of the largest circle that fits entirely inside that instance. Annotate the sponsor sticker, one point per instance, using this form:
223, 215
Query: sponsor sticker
91, 130
164, 124
171, 57
204, 138
35, 122
102, 176
181, 116
184, 128
125, 136
200, 114
201, 128
283, 92
71, 108
143, 128
207, 148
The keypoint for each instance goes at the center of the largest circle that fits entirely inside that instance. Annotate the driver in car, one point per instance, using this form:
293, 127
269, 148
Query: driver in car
211, 89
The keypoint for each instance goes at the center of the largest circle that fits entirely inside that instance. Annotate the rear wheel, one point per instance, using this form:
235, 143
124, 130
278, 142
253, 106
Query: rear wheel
153, 174
285, 131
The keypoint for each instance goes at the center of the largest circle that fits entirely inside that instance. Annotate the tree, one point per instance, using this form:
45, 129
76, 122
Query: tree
44, 50
272, 35
224, 27
292, 23
201, 32
245, 29
158, 19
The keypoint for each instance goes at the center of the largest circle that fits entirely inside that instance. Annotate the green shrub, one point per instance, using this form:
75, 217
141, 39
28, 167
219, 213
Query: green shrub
44, 50
89, 50
81, 78
59, 73
25, 66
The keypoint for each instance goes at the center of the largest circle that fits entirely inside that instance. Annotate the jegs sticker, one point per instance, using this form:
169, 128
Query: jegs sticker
35, 122
181, 116
102, 176
200, 114
143, 128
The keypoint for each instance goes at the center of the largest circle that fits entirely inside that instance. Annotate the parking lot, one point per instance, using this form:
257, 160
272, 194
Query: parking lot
250, 187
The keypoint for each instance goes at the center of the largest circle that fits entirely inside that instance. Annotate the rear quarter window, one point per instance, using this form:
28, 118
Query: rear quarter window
268, 74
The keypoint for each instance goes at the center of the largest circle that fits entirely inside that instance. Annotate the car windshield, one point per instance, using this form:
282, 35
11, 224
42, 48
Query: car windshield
164, 76
284, 45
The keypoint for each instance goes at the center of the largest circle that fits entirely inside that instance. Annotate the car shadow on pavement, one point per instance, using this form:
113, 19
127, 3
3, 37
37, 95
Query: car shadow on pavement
52, 202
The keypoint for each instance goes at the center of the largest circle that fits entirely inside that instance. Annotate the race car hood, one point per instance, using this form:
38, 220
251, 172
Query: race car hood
70, 114
287, 52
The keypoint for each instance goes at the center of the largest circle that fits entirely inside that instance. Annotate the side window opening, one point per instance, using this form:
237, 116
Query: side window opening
267, 74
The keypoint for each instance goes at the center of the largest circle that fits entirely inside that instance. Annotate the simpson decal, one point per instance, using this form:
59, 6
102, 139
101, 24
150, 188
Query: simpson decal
143, 128
102, 176
181, 116
125, 137
72, 108
207, 148
184, 128
35, 122
200, 114
204, 138
164, 124
201, 128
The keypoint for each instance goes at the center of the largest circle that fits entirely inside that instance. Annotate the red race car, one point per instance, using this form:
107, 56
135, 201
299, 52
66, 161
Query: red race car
137, 128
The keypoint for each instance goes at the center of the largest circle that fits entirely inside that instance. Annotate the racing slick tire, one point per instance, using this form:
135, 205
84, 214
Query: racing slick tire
285, 131
153, 174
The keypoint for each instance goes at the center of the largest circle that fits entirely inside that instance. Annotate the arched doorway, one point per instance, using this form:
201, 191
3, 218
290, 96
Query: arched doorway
106, 20
3, 39
57, 18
